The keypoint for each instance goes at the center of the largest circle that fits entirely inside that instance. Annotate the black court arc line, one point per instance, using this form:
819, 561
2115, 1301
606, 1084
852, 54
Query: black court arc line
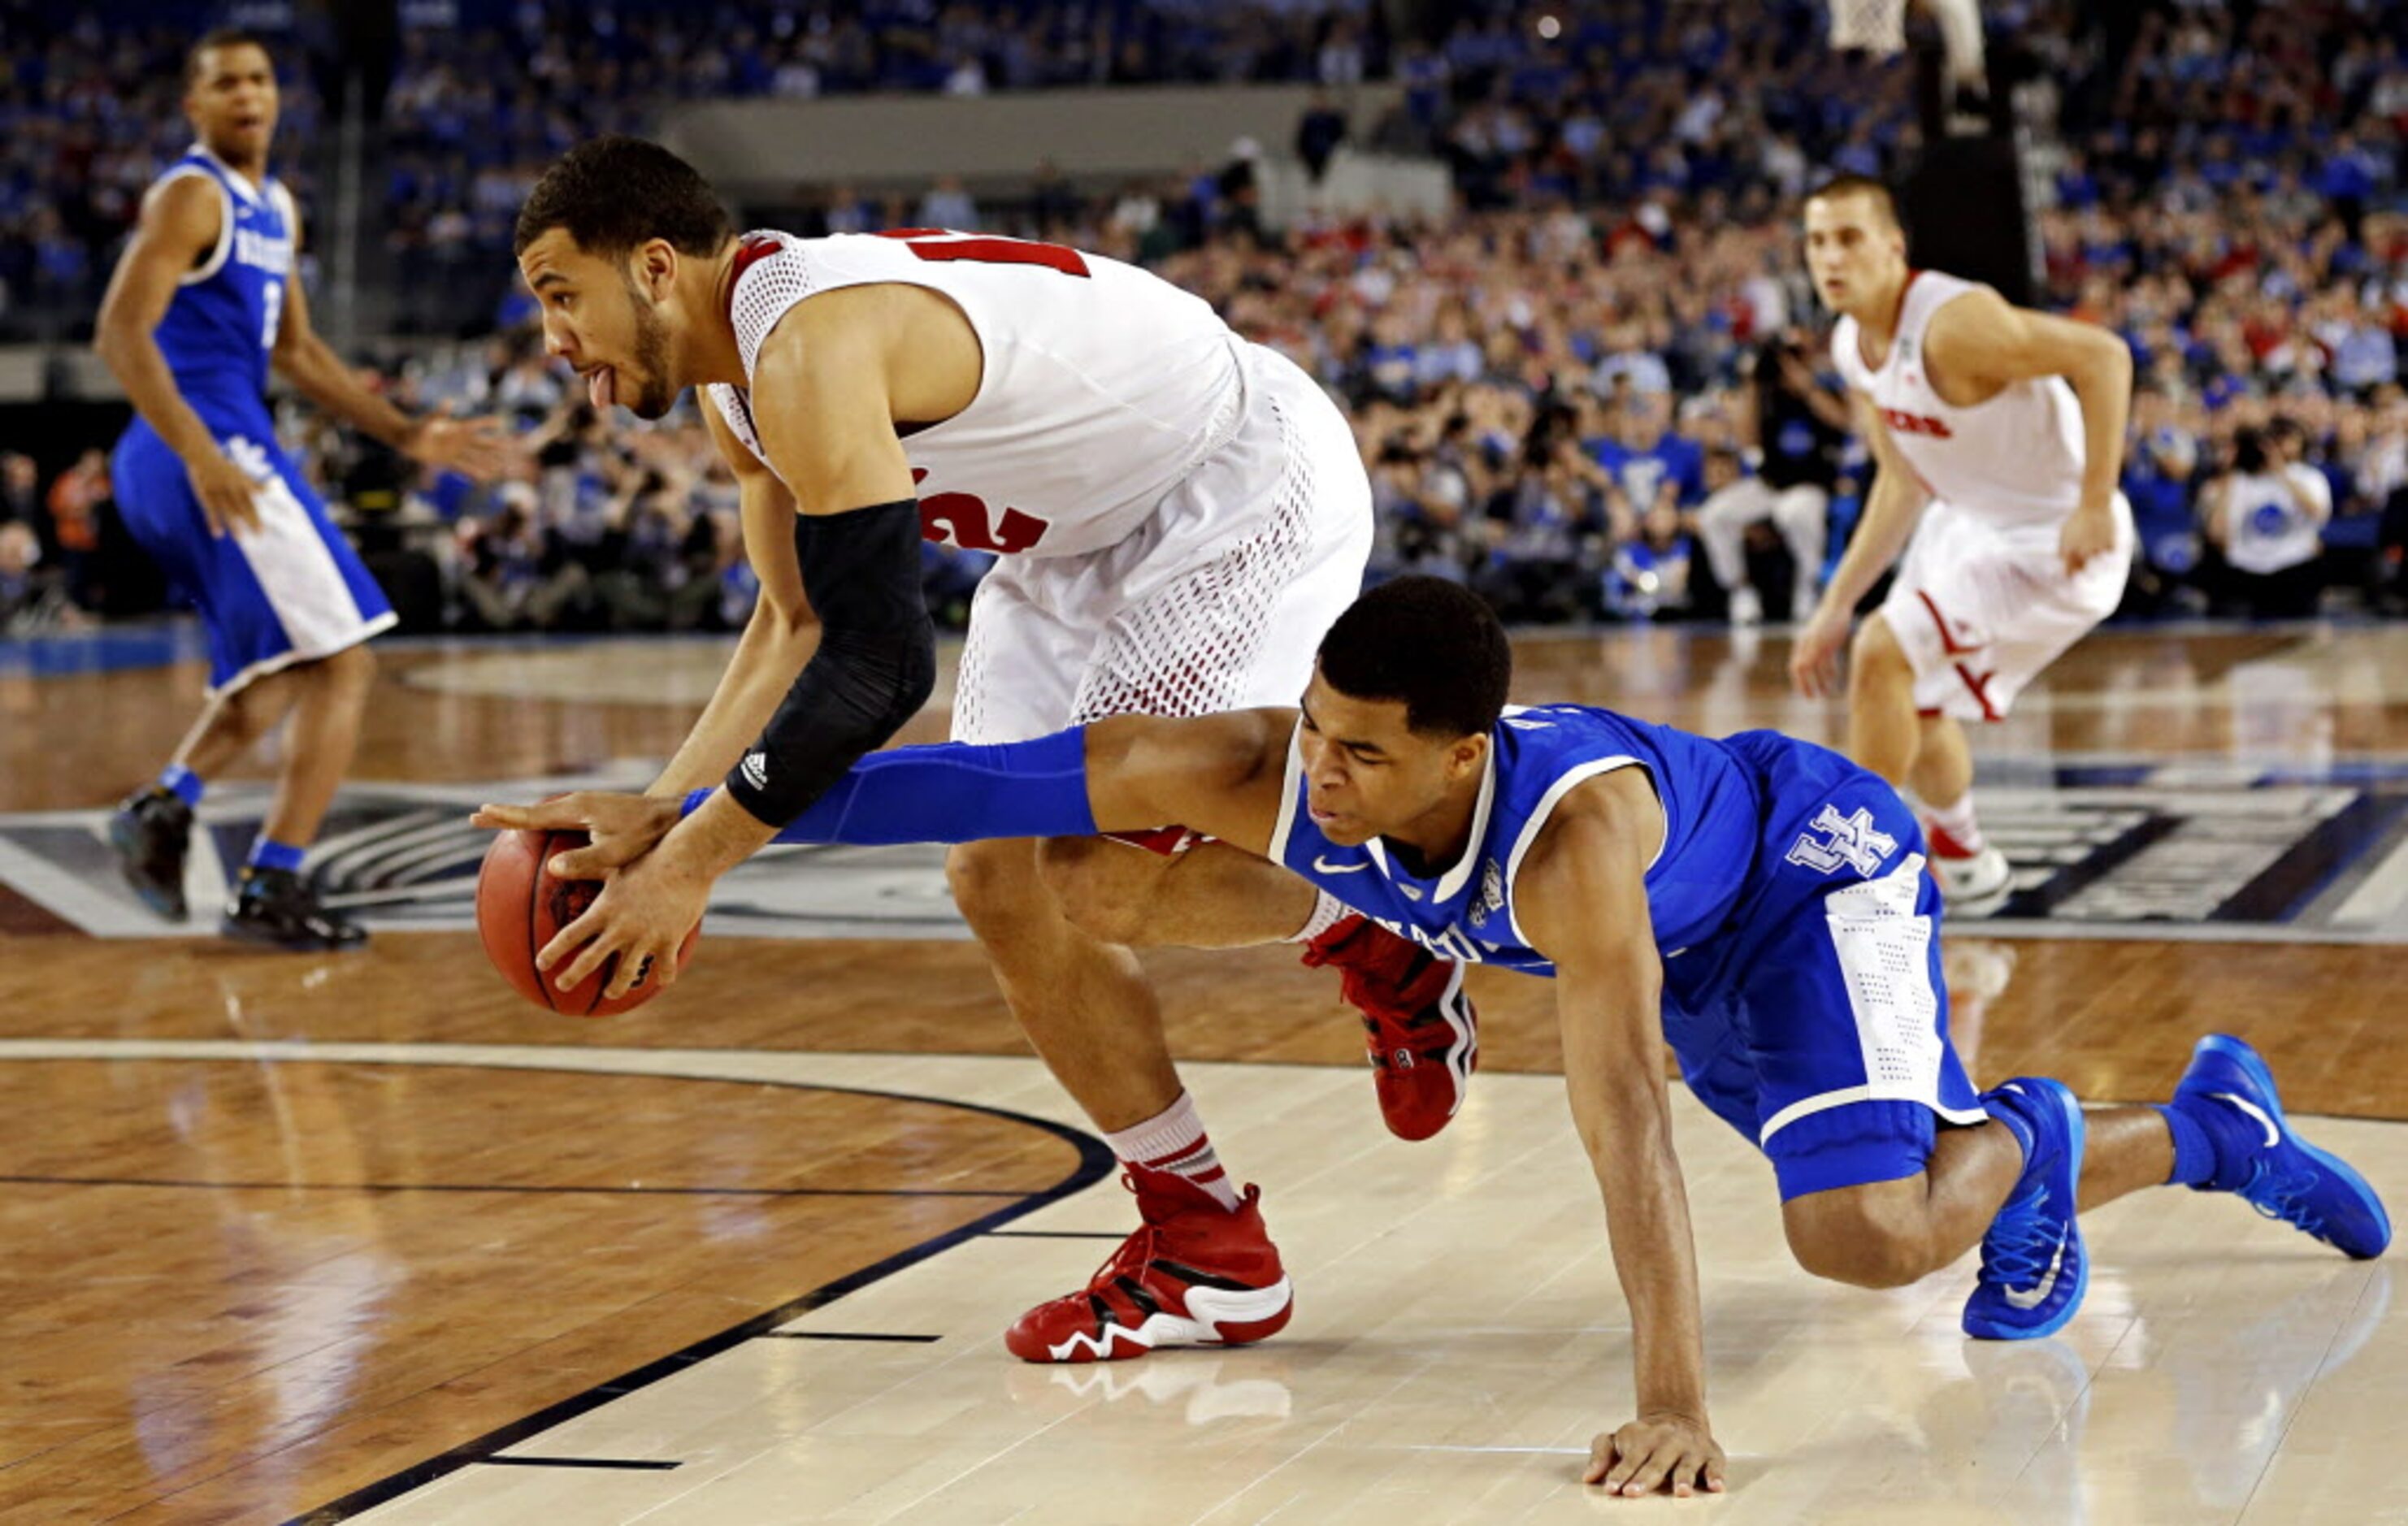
1096, 1163
622, 1464
846, 1335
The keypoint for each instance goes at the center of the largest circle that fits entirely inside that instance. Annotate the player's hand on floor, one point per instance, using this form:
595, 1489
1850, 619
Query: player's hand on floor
229, 498
1815, 655
480, 447
623, 827
2087, 533
1650, 1452
643, 913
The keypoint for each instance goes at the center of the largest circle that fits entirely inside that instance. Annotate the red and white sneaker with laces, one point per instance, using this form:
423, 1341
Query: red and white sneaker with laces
1194, 1273
1974, 881
1418, 1024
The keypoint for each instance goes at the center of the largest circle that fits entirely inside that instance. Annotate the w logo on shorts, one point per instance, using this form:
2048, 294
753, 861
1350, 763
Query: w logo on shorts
1852, 840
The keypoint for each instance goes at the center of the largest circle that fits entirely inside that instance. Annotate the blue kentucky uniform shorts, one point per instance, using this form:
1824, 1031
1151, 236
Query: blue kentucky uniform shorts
1816, 1022
291, 590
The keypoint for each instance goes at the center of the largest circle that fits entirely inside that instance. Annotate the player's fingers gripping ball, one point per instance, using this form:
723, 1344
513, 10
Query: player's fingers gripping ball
521, 906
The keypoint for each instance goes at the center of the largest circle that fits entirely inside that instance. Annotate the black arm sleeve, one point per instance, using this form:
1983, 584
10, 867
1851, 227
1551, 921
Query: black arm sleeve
874, 668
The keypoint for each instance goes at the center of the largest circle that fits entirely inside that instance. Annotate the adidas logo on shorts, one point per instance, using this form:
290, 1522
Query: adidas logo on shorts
756, 769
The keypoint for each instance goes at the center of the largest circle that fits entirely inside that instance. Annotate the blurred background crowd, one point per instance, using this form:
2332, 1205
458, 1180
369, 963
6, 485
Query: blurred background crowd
1598, 388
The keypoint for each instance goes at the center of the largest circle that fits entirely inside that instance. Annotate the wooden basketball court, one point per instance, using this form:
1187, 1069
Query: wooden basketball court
365, 1237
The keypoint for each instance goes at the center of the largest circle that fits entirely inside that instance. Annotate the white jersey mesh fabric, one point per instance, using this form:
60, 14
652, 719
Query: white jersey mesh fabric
769, 287
1191, 647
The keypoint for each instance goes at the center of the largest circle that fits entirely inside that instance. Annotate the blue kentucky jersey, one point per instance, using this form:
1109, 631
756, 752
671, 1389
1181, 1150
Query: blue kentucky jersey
1713, 817
221, 322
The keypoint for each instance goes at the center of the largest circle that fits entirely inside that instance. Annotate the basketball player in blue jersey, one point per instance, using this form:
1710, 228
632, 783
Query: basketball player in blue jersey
1758, 903
204, 300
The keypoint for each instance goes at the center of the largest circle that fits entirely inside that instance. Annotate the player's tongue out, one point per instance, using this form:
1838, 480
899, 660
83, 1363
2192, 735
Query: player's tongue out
602, 387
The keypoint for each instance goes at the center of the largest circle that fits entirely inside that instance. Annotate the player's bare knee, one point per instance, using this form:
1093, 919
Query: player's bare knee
1876, 647
251, 710
1104, 888
1847, 1235
1872, 1261
991, 882
353, 670
1877, 664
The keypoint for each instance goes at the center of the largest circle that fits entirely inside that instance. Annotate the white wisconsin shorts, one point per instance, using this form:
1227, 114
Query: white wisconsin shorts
1217, 602
1980, 611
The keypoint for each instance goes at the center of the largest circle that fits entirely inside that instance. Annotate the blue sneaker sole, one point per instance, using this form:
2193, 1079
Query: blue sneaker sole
2077, 1132
2246, 1059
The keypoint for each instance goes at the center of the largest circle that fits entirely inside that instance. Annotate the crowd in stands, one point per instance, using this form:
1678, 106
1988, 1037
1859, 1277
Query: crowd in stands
1599, 391
89, 116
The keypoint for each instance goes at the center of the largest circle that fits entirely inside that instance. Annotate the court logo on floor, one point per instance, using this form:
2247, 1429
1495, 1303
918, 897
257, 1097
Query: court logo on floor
403, 857
2211, 848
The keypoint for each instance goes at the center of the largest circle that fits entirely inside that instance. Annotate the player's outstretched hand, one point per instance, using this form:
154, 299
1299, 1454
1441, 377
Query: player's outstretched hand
623, 827
1815, 655
1656, 1450
229, 498
2087, 533
644, 912
480, 447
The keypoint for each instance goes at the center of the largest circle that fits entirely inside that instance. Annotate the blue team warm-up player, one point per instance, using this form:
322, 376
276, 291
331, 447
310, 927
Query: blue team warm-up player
204, 300
1760, 903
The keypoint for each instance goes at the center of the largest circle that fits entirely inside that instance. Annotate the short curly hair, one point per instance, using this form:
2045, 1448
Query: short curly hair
616, 192
1435, 645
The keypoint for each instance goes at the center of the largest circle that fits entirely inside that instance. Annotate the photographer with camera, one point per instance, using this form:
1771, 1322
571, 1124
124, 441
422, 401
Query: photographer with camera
2266, 514
1793, 428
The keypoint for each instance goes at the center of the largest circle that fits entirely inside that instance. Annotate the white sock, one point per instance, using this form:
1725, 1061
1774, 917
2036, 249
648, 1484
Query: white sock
1327, 912
1173, 1140
1958, 823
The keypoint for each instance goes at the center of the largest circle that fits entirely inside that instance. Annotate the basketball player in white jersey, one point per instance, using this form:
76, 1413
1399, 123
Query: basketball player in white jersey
2000, 434
1181, 514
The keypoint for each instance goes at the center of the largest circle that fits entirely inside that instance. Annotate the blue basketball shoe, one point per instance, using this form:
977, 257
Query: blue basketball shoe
2258, 1156
2033, 1269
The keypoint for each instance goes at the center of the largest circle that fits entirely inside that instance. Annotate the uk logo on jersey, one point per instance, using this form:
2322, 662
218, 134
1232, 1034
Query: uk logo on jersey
1832, 840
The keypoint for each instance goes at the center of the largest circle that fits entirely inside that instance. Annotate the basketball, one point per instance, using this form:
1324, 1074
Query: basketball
519, 906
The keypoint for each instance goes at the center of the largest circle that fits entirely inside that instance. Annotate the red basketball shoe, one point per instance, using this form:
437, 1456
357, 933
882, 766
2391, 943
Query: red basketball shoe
1974, 881
1417, 1022
1194, 1272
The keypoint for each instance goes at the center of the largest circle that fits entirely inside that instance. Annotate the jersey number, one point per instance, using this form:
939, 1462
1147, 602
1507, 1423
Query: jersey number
965, 520
274, 291
942, 244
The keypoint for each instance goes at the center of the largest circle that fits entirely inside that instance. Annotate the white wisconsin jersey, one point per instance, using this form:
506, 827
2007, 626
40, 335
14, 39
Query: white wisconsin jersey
1103, 385
2014, 461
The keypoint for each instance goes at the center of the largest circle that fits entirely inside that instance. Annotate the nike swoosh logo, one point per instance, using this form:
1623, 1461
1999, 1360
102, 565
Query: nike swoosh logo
2273, 1134
1323, 866
2039, 1291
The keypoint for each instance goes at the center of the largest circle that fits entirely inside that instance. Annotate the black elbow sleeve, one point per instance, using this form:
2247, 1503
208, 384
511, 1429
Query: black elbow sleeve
875, 666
